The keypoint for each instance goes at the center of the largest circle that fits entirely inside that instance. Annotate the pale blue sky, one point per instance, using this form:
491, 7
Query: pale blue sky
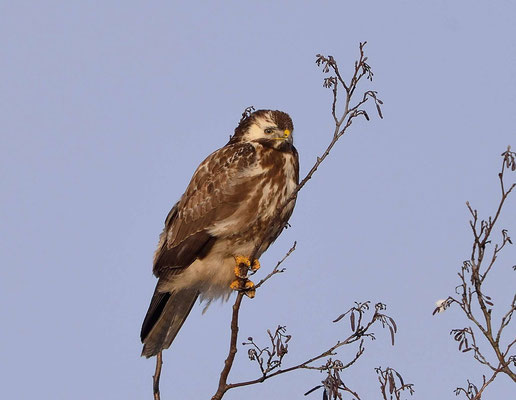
106, 108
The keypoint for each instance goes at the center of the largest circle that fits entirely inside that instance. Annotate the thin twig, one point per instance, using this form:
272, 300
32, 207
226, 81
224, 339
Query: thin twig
486, 383
276, 269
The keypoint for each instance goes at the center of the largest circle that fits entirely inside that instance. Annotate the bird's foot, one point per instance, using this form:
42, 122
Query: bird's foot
242, 267
243, 285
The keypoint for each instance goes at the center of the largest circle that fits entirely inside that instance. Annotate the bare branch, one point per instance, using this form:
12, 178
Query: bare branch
276, 269
472, 296
157, 375
472, 392
360, 331
223, 387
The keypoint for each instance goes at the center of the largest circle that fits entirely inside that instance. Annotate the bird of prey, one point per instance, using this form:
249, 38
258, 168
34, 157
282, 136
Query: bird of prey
230, 211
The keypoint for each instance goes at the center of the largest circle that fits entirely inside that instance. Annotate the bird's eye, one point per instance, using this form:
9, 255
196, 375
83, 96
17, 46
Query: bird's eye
269, 131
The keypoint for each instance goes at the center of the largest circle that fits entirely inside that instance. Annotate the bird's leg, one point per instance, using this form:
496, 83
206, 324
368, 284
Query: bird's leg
242, 267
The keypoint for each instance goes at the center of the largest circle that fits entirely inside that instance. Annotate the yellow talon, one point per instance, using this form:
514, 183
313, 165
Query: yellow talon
244, 285
241, 283
242, 260
243, 264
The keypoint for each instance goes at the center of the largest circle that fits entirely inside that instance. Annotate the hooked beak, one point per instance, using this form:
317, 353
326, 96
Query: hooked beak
287, 135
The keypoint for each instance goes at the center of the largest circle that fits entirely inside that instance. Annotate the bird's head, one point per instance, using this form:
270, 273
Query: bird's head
271, 128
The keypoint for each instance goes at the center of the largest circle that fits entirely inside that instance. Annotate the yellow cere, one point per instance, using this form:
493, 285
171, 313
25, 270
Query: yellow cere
287, 132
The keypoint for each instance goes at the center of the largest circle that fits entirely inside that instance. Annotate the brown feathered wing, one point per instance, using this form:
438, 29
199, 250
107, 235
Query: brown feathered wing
216, 192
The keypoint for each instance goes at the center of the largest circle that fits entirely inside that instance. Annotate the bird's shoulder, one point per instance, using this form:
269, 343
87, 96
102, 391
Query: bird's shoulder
214, 191
222, 164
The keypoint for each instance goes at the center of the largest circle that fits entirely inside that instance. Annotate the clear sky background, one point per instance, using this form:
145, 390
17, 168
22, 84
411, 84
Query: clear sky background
106, 109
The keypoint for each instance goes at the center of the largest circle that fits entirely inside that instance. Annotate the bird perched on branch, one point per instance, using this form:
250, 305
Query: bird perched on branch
232, 210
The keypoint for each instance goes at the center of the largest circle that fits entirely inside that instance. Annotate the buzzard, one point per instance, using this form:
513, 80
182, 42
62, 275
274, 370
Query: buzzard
228, 212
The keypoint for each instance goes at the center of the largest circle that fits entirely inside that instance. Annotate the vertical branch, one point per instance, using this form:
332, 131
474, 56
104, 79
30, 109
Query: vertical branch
223, 386
157, 375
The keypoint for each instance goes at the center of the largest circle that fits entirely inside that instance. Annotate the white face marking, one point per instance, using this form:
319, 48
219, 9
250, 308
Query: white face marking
257, 129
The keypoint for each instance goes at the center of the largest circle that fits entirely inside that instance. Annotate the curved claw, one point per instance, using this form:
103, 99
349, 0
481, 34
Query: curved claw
255, 266
250, 291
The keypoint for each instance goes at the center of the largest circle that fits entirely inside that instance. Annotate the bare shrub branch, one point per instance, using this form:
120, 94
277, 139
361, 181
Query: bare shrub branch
333, 386
277, 269
391, 384
269, 359
473, 297
472, 392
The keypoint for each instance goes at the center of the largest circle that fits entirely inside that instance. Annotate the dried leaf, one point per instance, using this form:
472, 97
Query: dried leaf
313, 390
391, 383
393, 324
400, 378
342, 315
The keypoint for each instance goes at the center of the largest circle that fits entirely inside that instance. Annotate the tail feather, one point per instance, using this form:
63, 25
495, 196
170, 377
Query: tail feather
156, 307
165, 317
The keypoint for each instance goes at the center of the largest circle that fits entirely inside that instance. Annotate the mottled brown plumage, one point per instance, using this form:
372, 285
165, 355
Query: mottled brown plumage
227, 209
